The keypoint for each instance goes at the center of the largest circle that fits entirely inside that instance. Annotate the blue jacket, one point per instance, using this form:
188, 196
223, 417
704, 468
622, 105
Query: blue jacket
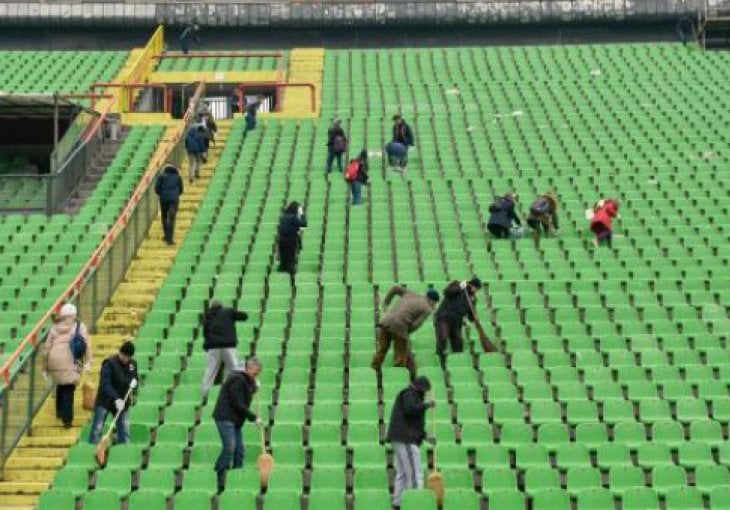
169, 185
194, 141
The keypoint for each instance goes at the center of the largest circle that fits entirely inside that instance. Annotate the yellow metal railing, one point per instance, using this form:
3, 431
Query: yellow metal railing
142, 66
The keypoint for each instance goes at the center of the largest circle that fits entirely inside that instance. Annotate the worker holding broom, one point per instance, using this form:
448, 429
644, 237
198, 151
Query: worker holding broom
406, 432
117, 381
458, 303
232, 409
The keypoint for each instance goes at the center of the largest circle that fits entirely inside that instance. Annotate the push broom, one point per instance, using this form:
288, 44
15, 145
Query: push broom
435, 481
265, 461
103, 446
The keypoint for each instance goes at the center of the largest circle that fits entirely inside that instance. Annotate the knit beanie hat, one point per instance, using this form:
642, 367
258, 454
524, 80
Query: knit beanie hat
476, 283
422, 383
127, 348
433, 295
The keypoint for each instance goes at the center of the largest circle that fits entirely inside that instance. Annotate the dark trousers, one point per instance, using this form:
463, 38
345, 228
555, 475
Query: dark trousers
401, 350
499, 231
65, 403
331, 157
250, 122
231, 456
168, 213
603, 234
356, 189
448, 332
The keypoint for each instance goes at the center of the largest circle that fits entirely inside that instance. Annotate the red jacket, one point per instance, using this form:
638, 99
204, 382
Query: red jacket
605, 215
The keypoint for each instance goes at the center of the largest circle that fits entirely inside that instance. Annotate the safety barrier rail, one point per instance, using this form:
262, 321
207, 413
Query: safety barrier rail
128, 91
24, 387
141, 66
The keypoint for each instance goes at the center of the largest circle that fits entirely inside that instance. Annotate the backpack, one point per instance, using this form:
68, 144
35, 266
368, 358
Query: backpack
352, 171
540, 206
78, 344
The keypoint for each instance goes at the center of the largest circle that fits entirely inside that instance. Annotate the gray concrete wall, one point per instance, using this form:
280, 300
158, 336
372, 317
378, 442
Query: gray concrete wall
337, 13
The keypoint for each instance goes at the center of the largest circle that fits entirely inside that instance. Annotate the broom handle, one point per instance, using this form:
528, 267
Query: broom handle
433, 426
477, 323
116, 416
261, 428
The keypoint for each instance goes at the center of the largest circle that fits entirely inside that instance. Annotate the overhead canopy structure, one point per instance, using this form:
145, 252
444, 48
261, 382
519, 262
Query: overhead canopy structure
36, 105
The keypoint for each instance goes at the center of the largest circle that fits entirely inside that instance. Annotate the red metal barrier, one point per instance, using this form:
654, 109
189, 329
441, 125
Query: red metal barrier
277, 86
131, 87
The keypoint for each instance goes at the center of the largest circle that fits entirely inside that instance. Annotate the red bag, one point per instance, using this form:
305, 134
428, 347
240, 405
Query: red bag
352, 171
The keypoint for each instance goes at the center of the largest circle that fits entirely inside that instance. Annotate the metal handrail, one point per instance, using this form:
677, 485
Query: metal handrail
97, 256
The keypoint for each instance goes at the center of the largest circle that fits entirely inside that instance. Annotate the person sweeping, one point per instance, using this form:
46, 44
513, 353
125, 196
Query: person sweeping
458, 302
232, 409
406, 432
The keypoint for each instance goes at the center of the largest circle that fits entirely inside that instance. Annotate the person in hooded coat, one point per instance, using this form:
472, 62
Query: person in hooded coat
543, 215
289, 238
503, 216
452, 311
169, 187
59, 362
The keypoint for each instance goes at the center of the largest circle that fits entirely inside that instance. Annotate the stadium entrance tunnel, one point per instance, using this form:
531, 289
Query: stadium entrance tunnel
224, 100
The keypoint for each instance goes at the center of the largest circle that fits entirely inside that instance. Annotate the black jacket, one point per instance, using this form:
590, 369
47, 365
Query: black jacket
169, 185
332, 135
503, 213
408, 418
403, 133
455, 306
234, 400
289, 225
114, 382
219, 327
362, 172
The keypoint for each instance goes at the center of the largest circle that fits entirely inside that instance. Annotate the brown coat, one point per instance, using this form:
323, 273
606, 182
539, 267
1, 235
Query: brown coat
412, 311
58, 360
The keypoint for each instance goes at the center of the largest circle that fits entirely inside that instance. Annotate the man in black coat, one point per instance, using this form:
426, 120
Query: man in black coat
232, 409
458, 303
503, 216
220, 341
406, 432
118, 376
169, 187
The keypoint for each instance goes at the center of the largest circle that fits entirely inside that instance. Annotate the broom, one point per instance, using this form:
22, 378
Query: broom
265, 462
101, 448
487, 345
435, 481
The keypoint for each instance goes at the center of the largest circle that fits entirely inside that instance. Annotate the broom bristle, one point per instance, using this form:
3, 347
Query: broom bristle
435, 482
265, 463
101, 451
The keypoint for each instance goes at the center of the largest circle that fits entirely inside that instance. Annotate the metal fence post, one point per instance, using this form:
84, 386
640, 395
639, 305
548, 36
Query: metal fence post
31, 391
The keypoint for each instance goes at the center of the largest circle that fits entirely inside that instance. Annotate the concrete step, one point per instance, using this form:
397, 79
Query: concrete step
33, 475
41, 463
47, 441
19, 502
12, 488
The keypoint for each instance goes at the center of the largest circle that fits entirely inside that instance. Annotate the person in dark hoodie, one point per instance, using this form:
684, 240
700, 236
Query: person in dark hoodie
169, 187
336, 145
220, 341
449, 317
289, 238
118, 376
406, 433
356, 176
502, 216
195, 147
189, 35
252, 109
232, 410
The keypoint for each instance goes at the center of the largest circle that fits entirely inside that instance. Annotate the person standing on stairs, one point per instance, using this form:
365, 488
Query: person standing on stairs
503, 216
604, 211
356, 175
397, 325
189, 35
220, 341
232, 410
118, 376
336, 145
289, 238
406, 433
543, 215
195, 147
252, 109
169, 187
452, 311
62, 364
